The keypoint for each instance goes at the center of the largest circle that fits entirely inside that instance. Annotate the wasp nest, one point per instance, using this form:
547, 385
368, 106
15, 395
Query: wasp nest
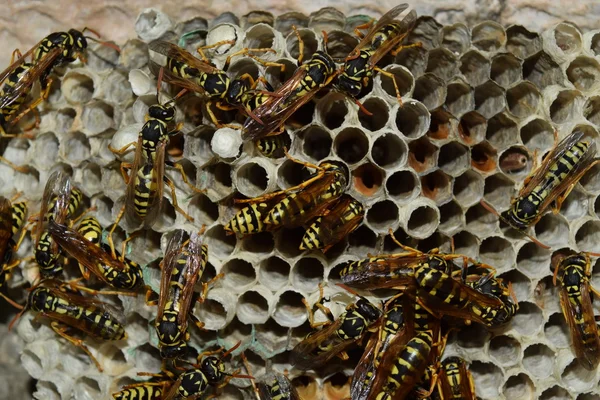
478, 104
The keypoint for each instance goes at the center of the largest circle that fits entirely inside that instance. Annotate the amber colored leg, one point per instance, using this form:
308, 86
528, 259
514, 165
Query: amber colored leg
60, 330
169, 183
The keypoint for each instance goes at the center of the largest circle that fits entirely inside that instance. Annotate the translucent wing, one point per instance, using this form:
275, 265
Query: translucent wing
155, 199
174, 248
403, 29
5, 226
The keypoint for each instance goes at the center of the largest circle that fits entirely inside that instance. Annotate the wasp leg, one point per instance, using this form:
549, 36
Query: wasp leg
246, 52
169, 183
124, 244
11, 302
123, 149
300, 45
109, 238
214, 119
405, 46
60, 329
43, 96
402, 246
247, 365
393, 78
428, 309
201, 49
104, 292
179, 168
19, 168
148, 301
363, 27
199, 324
205, 286
424, 394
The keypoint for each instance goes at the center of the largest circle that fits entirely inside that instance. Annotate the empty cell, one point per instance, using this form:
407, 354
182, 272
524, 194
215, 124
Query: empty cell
290, 312
575, 206
515, 162
422, 220
528, 320
64, 120
260, 36
566, 106
472, 128
256, 17
484, 157
505, 350
521, 42
552, 230
542, 70
591, 180
272, 338
412, 119
291, 173
497, 252
361, 241
498, 191
456, 38
533, 260
217, 180
367, 179
568, 38
86, 387
413, 58
436, 186
219, 242
316, 142
43, 151
584, 72
238, 273
379, 110
97, 117
555, 393
588, 396
489, 99
468, 188
197, 146
467, 244
307, 273
47, 390
452, 217
287, 242
78, 87
389, 150
403, 78
252, 178
502, 131
284, 22
506, 69
336, 386
252, 308
523, 99
488, 36
475, 67
588, 236
537, 134
262, 243
351, 145
442, 63
403, 185
557, 331
460, 98
327, 18
537, 358
310, 44
442, 124
333, 110
488, 379
430, 90
276, 77
75, 148
422, 155
340, 44
518, 387
244, 66
203, 210
577, 378
520, 283
426, 31
453, 158
274, 272
382, 216
591, 110
480, 221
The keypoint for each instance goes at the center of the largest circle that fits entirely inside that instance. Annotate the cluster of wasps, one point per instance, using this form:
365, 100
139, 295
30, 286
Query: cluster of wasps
403, 338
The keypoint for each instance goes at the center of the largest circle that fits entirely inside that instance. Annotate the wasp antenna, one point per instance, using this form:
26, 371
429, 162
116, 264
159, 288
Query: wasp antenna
16, 318
11, 302
489, 207
91, 30
159, 82
241, 376
228, 352
363, 108
348, 289
534, 240
103, 43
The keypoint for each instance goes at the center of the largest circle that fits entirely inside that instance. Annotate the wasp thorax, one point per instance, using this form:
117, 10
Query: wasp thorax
213, 369
161, 112
38, 299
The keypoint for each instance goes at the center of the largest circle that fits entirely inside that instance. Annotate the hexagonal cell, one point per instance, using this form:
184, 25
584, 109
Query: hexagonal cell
521, 42
332, 110
488, 36
575, 206
260, 36
520, 283
403, 185
588, 235
316, 142
480, 221
382, 216
542, 70
453, 158
537, 134
505, 350
430, 90
351, 145
489, 99
567, 38
529, 319
498, 191
413, 58
591, 110
552, 230
238, 273
519, 387
253, 307
389, 151
523, 99
577, 378
290, 312
484, 158
361, 240
460, 98
403, 78
436, 186
466, 243
536, 360
425, 31
475, 67
78, 87
472, 128
488, 379
287, 242
497, 252
284, 22
588, 396
367, 179
307, 273
340, 44
591, 180
442, 125
502, 131
557, 331
75, 148
468, 188
456, 38
291, 173
584, 73
533, 260
310, 43
380, 114
506, 69
422, 155
262, 243
566, 106
442, 63
412, 119
555, 393
219, 242
515, 162
252, 178
452, 217
421, 220
274, 272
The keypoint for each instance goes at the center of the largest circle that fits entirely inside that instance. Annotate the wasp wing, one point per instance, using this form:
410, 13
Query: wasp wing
5, 226
157, 185
403, 29
385, 271
174, 248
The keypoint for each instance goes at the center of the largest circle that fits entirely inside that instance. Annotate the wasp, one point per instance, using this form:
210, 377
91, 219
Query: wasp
142, 391
384, 36
201, 76
454, 380
333, 339
549, 184
55, 50
343, 218
282, 209
182, 267
59, 203
272, 146
494, 287
66, 309
84, 244
12, 221
144, 193
573, 275
276, 386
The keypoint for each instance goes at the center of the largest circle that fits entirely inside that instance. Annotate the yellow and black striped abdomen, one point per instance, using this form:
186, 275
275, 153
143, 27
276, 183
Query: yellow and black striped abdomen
9, 83
145, 187
561, 168
90, 229
440, 285
249, 219
18, 213
142, 392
